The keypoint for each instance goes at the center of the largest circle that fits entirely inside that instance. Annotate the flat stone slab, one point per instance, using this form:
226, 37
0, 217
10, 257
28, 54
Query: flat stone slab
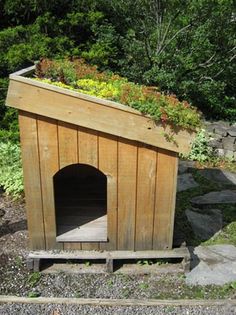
205, 225
219, 176
215, 197
217, 265
186, 181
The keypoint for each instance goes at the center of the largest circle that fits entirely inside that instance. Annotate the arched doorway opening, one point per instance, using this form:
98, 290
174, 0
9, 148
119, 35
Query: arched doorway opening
80, 192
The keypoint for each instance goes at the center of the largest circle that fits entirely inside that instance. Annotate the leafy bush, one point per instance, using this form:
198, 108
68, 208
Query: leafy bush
11, 175
200, 151
148, 100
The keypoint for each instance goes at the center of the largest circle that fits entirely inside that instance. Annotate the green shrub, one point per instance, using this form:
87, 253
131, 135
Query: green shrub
11, 175
200, 151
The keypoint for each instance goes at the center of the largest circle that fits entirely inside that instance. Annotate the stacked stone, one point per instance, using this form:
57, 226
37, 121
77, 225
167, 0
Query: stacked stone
223, 138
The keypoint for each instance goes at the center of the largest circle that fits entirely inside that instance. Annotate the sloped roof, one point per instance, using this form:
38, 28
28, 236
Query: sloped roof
91, 112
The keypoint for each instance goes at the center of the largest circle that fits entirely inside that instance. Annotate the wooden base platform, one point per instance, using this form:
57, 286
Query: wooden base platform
34, 258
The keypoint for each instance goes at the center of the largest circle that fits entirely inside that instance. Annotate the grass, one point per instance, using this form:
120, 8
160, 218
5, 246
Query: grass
183, 291
34, 278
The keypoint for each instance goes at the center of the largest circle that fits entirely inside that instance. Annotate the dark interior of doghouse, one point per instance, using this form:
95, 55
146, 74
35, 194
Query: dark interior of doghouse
80, 192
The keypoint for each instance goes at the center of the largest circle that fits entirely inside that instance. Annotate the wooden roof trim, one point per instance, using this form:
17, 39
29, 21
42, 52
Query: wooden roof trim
20, 76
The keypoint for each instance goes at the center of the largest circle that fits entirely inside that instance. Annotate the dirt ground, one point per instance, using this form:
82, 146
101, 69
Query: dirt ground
13, 227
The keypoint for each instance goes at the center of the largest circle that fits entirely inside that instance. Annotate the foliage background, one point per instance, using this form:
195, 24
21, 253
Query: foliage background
186, 47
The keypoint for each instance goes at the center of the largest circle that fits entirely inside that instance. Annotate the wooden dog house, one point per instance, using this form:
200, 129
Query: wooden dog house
98, 175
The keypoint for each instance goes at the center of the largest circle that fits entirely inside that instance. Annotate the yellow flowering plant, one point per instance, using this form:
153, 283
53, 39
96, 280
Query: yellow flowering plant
78, 76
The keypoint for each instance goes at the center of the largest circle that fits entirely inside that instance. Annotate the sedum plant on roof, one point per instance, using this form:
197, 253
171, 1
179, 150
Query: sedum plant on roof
76, 75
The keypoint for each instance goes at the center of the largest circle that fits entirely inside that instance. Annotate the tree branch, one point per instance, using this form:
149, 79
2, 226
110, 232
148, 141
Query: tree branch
207, 63
174, 36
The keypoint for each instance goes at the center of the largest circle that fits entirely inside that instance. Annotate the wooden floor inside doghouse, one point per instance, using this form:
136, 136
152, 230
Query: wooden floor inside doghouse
81, 213
81, 228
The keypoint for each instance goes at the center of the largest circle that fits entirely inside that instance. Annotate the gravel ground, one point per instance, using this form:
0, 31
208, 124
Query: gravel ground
15, 279
52, 309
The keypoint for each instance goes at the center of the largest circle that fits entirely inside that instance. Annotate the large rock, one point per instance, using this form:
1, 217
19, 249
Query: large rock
215, 197
205, 225
186, 181
229, 143
220, 130
185, 165
217, 265
2, 212
232, 131
219, 176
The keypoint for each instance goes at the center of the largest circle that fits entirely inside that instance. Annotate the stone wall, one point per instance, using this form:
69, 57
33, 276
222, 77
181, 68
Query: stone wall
223, 138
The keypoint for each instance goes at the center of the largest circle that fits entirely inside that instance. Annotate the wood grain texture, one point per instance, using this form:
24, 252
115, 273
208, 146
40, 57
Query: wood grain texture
118, 254
93, 113
88, 154
72, 246
49, 166
88, 146
89, 231
67, 143
146, 180
108, 165
167, 163
127, 173
68, 155
32, 180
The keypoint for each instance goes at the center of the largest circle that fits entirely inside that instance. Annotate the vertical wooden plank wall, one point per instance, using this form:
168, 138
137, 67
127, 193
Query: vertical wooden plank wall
127, 178
68, 155
167, 165
146, 182
67, 143
88, 154
140, 192
108, 160
32, 179
49, 166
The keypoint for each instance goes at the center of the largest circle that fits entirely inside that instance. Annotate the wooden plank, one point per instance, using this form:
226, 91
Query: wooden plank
109, 117
127, 172
108, 147
72, 246
167, 163
32, 180
227, 304
109, 265
146, 179
84, 234
117, 254
23, 72
68, 142
19, 77
88, 154
88, 147
49, 166
68, 155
